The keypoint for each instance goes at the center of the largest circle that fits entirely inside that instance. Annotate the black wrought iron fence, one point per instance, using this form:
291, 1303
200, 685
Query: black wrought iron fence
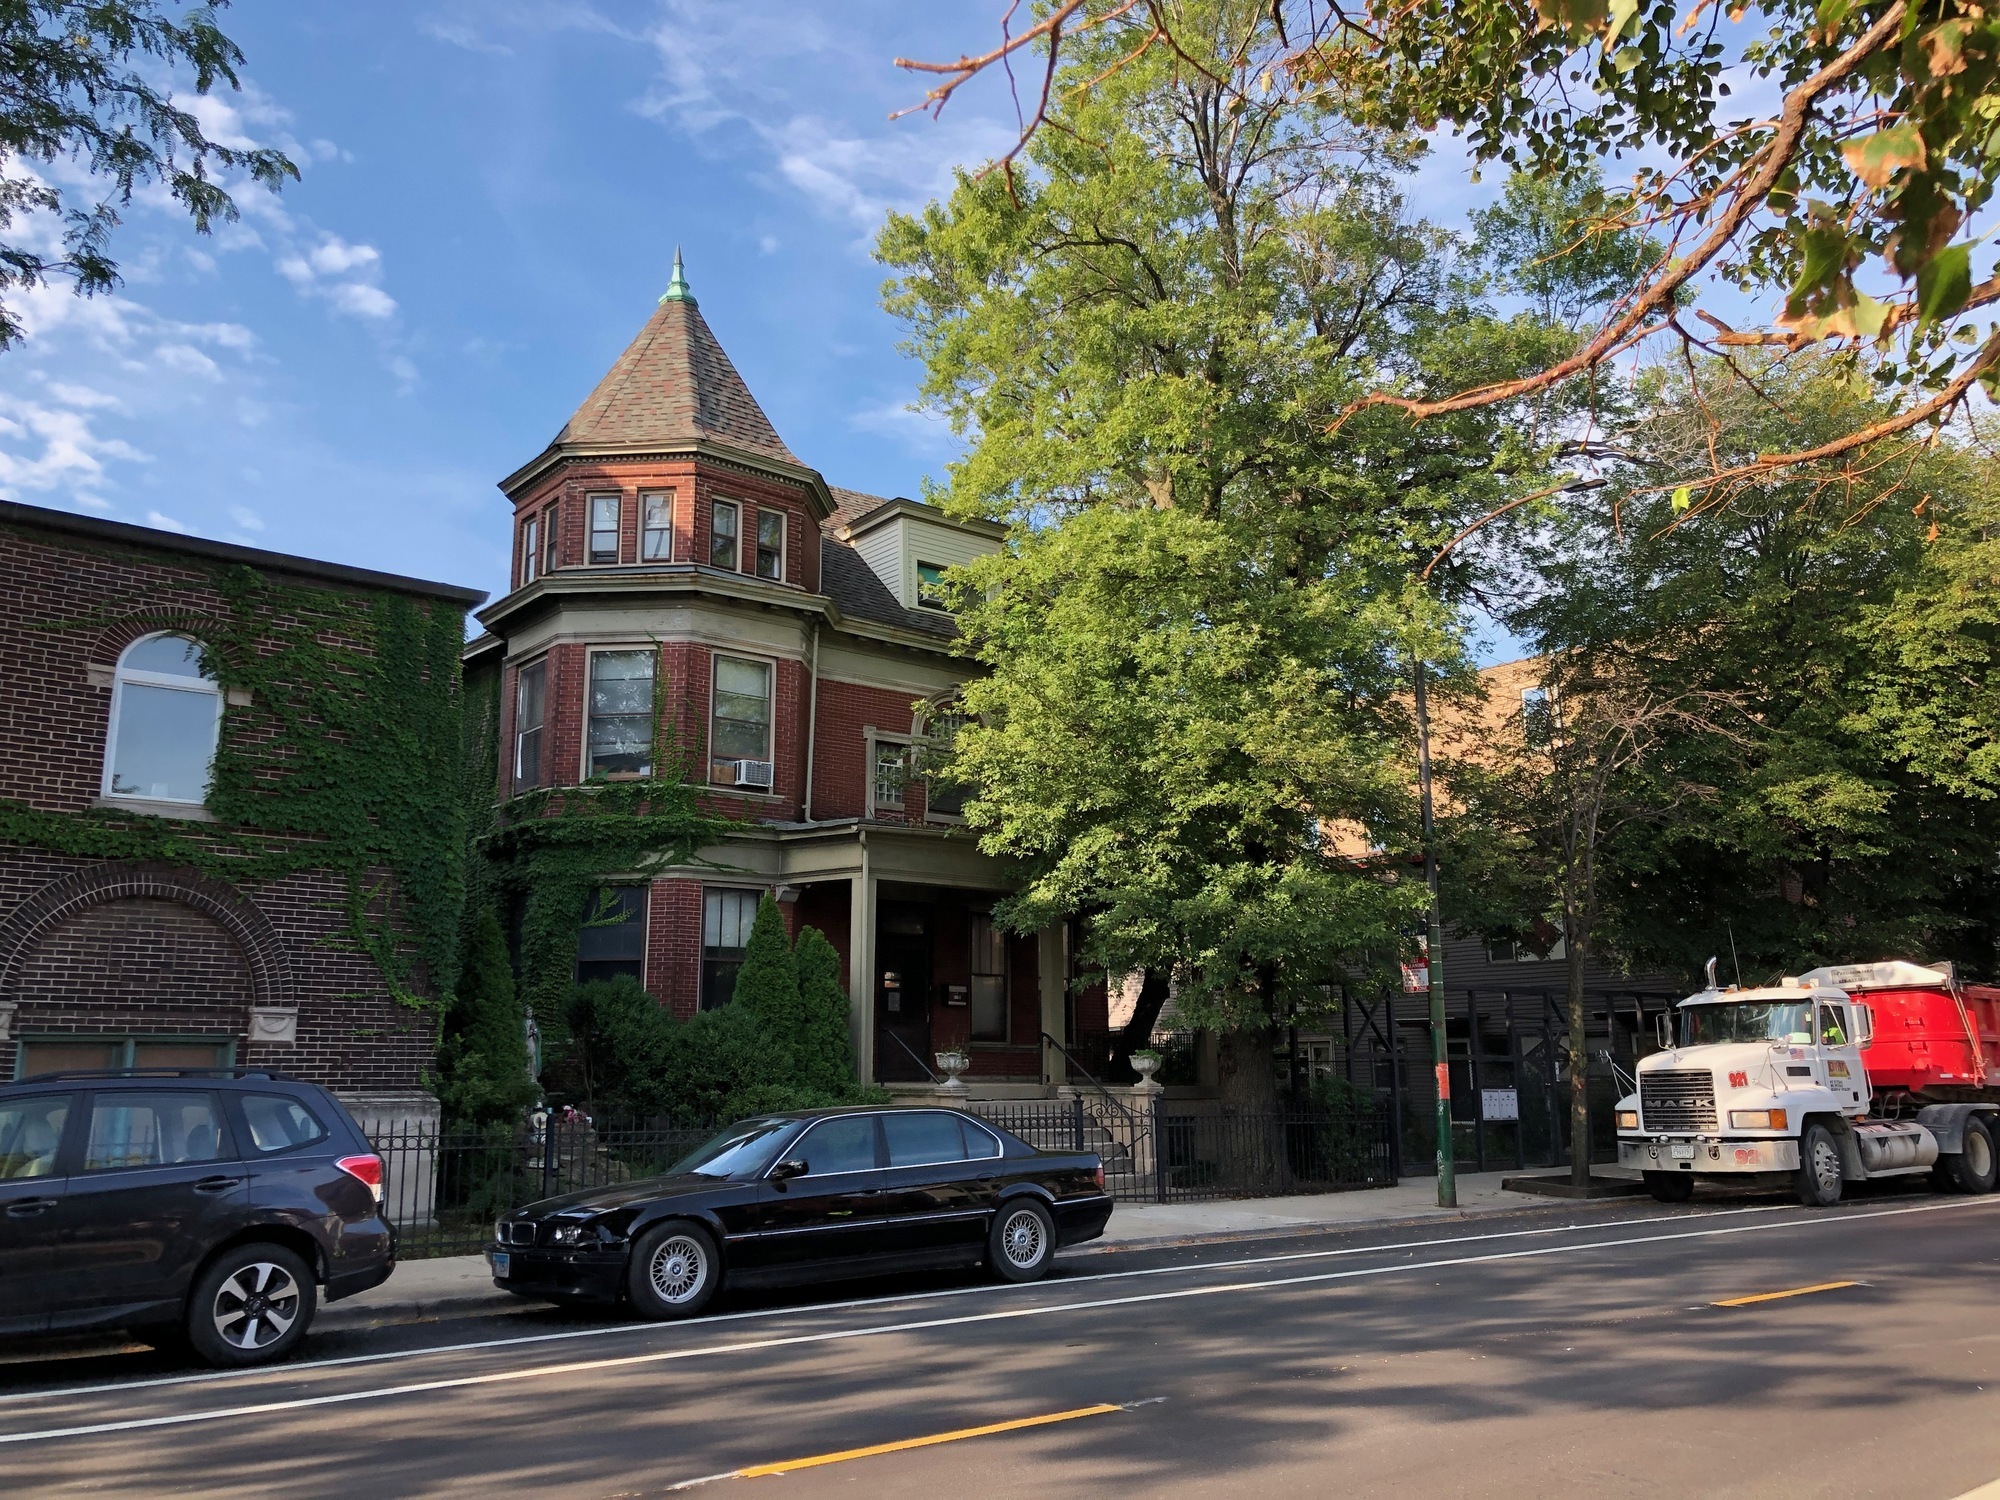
1168, 1153
444, 1188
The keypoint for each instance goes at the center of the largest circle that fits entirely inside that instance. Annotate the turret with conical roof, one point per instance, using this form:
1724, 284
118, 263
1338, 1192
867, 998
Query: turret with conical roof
672, 388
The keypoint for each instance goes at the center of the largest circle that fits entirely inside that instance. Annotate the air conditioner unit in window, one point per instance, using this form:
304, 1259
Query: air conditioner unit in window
753, 773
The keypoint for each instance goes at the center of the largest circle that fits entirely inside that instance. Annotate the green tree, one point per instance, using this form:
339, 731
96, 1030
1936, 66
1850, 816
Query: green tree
767, 986
1197, 640
1874, 165
825, 1048
483, 1058
610, 1046
88, 80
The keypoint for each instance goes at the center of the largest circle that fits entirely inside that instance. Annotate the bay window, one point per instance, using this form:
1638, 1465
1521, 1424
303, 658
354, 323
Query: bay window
656, 520
529, 690
604, 511
771, 545
724, 522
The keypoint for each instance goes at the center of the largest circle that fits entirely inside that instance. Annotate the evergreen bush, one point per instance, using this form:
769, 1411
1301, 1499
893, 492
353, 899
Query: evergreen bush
824, 1050
483, 1057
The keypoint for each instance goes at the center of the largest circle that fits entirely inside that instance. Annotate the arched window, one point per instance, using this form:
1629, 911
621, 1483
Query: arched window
164, 719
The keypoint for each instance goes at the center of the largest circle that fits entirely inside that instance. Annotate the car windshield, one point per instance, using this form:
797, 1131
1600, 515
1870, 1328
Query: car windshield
745, 1148
1748, 1021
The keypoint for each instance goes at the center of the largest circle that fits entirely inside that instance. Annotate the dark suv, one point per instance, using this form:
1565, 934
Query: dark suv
201, 1209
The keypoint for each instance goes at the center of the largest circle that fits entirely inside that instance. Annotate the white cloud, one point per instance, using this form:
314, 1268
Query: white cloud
80, 395
459, 34
768, 244
335, 257
188, 360
316, 272
45, 448
361, 300
165, 523
246, 518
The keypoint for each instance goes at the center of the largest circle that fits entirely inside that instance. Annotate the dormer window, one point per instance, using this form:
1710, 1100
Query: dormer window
656, 523
724, 532
771, 545
166, 715
930, 587
604, 528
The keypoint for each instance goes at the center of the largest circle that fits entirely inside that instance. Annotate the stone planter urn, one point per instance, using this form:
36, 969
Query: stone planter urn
1146, 1064
952, 1064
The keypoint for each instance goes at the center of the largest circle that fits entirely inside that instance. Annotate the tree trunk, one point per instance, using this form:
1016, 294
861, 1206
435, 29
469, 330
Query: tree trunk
1249, 1136
1579, 1064
1138, 1032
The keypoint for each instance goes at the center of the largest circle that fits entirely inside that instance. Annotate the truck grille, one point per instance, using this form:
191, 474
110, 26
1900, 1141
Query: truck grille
1677, 1100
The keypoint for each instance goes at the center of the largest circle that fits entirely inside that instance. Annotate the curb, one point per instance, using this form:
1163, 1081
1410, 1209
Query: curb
428, 1310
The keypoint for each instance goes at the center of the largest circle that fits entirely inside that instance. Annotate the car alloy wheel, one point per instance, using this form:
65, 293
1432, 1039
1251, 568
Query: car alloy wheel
256, 1306
1023, 1240
678, 1270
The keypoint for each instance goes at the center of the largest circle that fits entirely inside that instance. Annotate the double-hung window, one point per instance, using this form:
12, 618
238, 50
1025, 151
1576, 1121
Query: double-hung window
726, 917
620, 732
612, 942
549, 540
892, 766
656, 527
725, 523
165, 718
531, 551
529, 695
741, 727
943, 797
771, 545
604, 528
989, 980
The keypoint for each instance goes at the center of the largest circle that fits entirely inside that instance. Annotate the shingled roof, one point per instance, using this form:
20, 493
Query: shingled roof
672, 385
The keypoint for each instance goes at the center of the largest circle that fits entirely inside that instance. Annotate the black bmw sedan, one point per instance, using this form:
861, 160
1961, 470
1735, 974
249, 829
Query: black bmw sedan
816, 1195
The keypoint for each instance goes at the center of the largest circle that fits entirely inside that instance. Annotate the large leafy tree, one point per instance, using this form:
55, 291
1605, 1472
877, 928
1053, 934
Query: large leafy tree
1844, 197
1199, 637
1849, 615
90, 81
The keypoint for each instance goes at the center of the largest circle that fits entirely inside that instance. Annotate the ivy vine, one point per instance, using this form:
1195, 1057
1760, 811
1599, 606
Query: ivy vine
347, 759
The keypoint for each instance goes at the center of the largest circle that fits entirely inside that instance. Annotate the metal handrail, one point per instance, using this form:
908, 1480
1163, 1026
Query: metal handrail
1109, 1098
913, 1056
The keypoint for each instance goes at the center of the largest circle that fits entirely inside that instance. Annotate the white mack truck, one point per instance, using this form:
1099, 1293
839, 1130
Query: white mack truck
1840, 1075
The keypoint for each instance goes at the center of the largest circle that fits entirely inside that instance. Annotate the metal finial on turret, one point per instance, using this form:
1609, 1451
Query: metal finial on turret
677, 289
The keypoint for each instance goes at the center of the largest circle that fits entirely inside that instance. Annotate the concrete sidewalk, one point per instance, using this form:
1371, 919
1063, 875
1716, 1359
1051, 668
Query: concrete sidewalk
461, 1286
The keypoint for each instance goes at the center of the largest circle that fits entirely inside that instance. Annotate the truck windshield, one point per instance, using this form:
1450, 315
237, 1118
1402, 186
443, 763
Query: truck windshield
1749, 1021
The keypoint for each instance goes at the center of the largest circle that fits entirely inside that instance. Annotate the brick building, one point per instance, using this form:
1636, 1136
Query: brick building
128, 937
679, 572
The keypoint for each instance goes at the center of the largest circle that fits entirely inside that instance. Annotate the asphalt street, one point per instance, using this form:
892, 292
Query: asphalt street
1562, 1350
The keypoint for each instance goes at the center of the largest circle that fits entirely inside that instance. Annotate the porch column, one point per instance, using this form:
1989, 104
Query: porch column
1054, 975
861, 968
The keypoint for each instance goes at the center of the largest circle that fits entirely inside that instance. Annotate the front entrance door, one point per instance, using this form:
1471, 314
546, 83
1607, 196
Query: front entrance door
903, 994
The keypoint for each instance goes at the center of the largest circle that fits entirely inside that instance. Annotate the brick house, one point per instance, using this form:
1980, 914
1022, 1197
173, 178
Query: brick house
679, 573
140, 926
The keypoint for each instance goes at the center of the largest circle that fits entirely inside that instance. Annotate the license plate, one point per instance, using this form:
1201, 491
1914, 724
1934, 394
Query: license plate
1682, 1151
502, 1263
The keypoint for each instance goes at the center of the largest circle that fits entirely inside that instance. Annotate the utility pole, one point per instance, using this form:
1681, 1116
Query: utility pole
1434, 957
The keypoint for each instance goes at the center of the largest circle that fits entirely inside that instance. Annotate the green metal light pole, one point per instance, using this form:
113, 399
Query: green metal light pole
1434, 957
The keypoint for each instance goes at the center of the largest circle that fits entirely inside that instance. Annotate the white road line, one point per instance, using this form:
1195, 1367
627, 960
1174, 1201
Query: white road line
279, 1372
748, 1346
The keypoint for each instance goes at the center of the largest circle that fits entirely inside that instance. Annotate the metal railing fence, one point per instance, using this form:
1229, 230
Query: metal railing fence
443, 1188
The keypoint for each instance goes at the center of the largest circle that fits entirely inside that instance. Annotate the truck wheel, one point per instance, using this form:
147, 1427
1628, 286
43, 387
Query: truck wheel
1818, 1178
1976, 1165
1670, 1187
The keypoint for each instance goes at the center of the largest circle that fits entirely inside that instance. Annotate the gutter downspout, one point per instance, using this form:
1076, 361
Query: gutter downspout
812, 718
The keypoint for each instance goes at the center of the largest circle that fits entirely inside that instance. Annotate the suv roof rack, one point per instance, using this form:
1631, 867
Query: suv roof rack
78, 1074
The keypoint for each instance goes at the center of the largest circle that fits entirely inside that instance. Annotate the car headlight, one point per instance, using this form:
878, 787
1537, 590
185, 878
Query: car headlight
1757, 1119
1628, 1119
572, 1234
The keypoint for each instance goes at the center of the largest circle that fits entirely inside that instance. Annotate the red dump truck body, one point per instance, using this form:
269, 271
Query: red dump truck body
1933, 1036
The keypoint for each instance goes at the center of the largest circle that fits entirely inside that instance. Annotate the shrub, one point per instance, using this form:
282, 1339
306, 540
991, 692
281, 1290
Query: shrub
483, 1054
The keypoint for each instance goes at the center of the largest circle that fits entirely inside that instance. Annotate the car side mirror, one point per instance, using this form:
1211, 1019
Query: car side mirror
784, 1171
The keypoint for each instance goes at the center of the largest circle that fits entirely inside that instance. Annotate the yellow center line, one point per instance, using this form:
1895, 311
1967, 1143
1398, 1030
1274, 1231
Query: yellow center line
790, 1465
1797, 1291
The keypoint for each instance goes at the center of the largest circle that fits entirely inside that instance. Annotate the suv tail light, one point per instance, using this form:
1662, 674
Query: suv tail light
366, 1170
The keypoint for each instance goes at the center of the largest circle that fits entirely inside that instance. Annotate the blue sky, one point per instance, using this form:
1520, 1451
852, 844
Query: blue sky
492, 194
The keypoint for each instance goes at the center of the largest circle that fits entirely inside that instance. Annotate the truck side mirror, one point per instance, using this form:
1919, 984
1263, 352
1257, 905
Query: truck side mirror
1663, 1029
1864, 1024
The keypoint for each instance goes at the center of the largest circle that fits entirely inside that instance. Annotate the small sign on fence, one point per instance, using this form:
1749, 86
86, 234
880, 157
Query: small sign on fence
1500, 1104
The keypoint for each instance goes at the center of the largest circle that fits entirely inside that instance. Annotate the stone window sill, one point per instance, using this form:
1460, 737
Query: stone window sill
152, 807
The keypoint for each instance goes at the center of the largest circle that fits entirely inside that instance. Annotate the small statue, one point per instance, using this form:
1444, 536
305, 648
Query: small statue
533, 1037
